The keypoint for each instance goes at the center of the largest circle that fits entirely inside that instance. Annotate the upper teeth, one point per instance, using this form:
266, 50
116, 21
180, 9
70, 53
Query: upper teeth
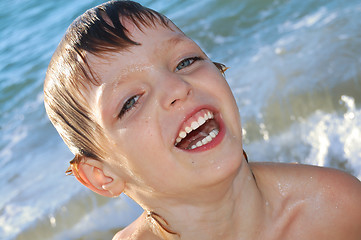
194, 125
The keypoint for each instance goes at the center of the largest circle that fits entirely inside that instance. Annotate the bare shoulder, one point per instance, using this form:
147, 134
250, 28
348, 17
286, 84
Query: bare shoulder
137, 230
128, 232
331, 196
301, 170
329, 179
334, 185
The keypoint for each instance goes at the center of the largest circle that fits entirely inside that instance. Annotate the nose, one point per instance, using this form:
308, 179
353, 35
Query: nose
174, 91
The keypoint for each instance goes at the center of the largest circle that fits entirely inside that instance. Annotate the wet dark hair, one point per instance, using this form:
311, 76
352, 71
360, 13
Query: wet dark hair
98, 31
101, 30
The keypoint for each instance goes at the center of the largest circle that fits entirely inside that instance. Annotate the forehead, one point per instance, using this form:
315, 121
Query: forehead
154, 43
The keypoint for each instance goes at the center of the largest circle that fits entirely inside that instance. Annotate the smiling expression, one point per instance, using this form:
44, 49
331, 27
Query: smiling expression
170, 119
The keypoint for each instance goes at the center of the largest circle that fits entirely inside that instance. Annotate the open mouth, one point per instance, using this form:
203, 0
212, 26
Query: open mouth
197, 131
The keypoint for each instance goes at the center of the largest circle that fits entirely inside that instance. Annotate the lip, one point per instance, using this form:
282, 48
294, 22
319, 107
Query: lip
217, 140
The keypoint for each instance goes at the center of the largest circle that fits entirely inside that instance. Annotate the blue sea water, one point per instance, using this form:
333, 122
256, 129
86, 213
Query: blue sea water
295, 70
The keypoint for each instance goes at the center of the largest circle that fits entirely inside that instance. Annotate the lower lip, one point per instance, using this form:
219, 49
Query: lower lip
217, 140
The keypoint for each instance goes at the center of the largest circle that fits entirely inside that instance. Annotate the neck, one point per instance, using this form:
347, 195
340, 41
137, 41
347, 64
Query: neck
234, 209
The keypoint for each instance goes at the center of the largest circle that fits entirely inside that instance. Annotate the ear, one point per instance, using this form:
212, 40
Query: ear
92, 174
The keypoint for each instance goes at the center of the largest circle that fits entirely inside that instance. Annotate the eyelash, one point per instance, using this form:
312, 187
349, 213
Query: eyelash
127, 108
192, 59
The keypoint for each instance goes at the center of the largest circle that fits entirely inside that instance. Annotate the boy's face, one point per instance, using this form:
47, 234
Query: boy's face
149, 98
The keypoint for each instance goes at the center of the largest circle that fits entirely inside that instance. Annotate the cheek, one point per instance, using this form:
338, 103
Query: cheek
213, 80
141, 141
217, 85
148, 160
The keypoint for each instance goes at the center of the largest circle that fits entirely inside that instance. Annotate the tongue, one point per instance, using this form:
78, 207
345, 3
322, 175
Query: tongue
197, 135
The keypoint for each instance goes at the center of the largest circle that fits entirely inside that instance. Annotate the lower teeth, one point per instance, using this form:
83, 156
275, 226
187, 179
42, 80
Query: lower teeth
206, 140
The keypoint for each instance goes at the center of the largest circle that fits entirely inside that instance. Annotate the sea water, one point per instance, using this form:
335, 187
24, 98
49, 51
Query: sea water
295, 71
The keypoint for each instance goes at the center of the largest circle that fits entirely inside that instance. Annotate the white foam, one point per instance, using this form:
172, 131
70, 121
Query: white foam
324, 139
12, 139
307, 21
14, 217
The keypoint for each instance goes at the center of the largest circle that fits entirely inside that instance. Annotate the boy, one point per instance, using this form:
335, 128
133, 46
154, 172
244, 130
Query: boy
147, 113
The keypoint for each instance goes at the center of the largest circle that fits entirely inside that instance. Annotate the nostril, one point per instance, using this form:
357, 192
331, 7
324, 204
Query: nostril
179, 95
189, 92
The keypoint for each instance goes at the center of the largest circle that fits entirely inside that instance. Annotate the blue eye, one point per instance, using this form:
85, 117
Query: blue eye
186, 62
129, 104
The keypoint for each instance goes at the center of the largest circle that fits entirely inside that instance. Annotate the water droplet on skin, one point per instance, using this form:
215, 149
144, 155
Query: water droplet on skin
283, 188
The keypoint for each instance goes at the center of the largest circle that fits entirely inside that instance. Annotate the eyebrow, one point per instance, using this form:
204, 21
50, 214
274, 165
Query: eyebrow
169, 45
172, 42
176, 39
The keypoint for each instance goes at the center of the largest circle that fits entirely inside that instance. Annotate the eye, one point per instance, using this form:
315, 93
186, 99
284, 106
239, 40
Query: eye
129, 105
186, 62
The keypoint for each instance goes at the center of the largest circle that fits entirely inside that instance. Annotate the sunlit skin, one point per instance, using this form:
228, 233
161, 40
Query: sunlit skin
146, 94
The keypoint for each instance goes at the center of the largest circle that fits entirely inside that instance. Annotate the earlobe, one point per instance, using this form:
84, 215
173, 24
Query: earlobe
91, 174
